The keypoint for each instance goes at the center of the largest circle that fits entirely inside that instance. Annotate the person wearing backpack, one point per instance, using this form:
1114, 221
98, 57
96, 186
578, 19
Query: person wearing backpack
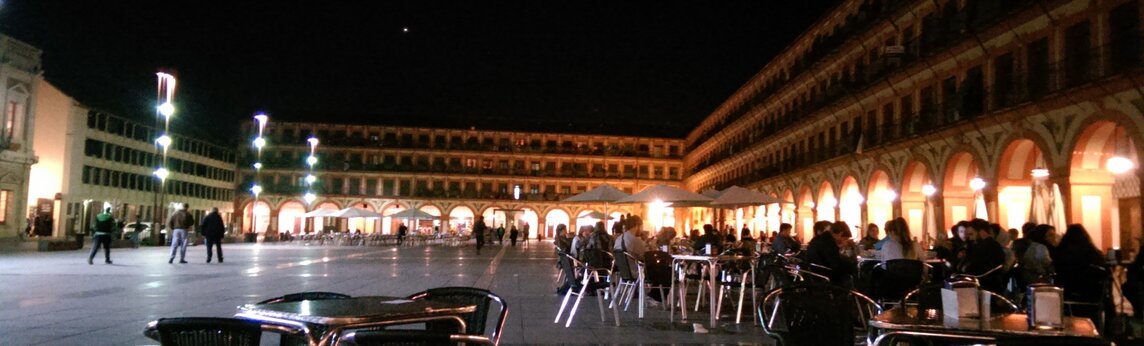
179, 223
102, 229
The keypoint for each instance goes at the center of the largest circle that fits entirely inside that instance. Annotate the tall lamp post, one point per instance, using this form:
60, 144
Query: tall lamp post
311, 160
165, 108
259, 142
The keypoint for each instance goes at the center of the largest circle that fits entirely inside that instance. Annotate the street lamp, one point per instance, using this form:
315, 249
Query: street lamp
164, 109
928, 190
977, 184
311, 160
260, 120
255, 190
1119, 165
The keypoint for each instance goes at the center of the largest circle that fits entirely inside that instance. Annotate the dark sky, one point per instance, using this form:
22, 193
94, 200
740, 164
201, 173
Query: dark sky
577, 66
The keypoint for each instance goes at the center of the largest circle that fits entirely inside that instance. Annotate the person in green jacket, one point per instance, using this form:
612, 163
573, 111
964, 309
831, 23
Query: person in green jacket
102, 229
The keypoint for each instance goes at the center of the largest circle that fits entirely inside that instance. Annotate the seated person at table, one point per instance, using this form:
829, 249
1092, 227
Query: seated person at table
1080, 266
709, 237
1036, 265
900, 245
1133, 286
870, 238
823, 251
782, 242
745, 240
664, 236
563, 242
983, 256
629, 241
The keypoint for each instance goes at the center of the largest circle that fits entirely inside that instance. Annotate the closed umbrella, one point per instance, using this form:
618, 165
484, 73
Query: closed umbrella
1039, 203
979, 210
1056, 215
929, 225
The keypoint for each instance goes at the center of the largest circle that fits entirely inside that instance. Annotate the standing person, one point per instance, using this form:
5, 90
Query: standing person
102, 228
178, 223
479, 232
401, 232
513, 234
213, 231
500, 235
524, 232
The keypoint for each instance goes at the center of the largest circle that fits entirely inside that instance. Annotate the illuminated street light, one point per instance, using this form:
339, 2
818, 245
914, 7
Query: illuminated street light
166, 109
262, 119
259, 142
310, 179
889, 195
256, 189
163, 141
977, 184
312, 160
258, 165
1040, 173
1119, 165
313, 141
309, 197
162, 173
928, 190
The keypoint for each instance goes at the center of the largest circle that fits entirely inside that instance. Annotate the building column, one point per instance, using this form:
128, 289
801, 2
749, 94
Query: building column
938, 203
896, 207
541, 227
990, 193
444, 219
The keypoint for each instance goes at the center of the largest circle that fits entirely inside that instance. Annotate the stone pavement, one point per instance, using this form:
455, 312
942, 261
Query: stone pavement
58, 299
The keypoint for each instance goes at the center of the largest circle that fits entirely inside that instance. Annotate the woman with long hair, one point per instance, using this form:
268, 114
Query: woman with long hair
900, 245
1080, 266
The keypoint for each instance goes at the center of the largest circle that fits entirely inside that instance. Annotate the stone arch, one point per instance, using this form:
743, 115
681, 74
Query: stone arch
826, 203
881, 195
1014, 180
850, 201
1092, 187
290, 216
957, 196
261, 215
912, 195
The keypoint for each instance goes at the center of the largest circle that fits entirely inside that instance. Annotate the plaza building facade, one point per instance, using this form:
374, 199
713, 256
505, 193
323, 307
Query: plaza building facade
89, 160
883, 108
19, 70
451, 174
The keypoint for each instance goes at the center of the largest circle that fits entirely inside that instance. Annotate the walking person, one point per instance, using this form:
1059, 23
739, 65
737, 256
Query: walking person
213, 231
102, 228
401, 232
178, 223
512, 235
479, 229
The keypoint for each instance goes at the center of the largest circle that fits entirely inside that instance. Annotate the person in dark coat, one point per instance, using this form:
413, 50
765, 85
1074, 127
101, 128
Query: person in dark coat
984, 256
513, 234
479, 228
823, 250
401, 232
710, 237
213, 230
1080, 266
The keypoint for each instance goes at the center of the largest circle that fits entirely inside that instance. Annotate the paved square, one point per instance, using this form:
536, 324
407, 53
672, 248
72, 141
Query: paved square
58, 299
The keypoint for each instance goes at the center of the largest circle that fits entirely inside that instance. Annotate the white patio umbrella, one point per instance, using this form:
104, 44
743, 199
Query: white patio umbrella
1056, 215
738, 197
1039, 203
666, 194
318, 213
595, 215
412, 214
352, 212
603, 193
979, 210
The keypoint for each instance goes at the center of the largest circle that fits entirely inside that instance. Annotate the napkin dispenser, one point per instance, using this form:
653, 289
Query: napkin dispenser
959, 299
1045, 307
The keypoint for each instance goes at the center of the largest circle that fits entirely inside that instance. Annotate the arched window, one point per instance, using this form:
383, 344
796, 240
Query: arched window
11, 130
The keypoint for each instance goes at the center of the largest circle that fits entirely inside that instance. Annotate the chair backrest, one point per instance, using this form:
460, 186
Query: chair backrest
901, 276
772, 276
296, 297
475, 321
623, 263
599, 259
568, 265
929, 297
817, 314
657, 268
208, 331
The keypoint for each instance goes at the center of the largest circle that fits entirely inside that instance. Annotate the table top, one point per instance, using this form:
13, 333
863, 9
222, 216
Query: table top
906, 319
709, 258
355, 310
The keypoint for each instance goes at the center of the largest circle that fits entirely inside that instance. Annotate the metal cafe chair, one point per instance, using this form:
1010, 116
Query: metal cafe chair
900, 276
204, 331
817, 314
295, 297
475, 322
595, 278
407, 337
627, 281
657, 274
736, 274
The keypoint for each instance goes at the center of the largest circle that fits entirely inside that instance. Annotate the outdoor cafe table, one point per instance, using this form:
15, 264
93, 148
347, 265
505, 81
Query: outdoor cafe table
323, 320
905, 319
712, 262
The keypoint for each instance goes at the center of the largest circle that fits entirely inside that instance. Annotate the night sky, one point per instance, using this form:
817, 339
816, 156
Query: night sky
650, 69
